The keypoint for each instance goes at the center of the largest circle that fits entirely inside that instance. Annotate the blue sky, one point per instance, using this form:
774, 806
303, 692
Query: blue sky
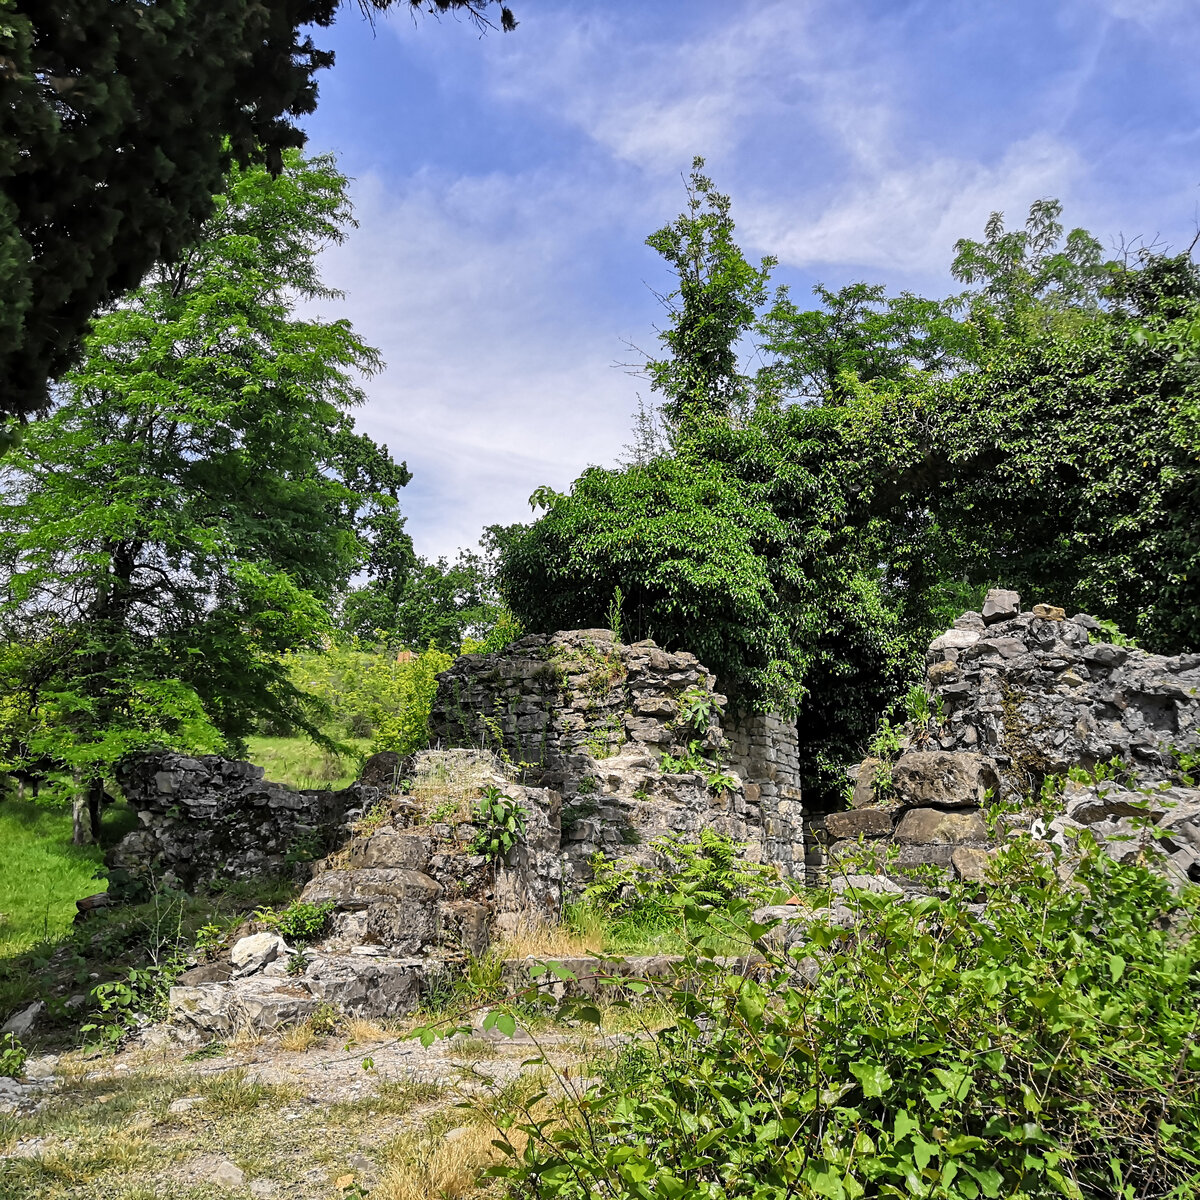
505, 184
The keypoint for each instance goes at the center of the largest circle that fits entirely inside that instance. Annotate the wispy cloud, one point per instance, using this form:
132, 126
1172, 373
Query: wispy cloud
499, 366
907, 216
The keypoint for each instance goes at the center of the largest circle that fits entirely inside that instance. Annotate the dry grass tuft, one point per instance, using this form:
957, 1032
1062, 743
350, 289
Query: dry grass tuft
541, 940
447, 782
439, 1166
298, 1038
361, 1030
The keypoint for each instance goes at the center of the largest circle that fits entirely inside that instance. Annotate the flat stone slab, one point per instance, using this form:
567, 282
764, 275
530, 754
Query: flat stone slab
938, 827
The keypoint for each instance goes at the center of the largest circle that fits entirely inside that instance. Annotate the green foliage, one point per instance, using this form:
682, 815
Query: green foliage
122, 1006
1109, 633
696, 709
614, 615
208, 939
1099, 511
744, 553
417, 603
858, 334
12, 1057
501, 822
1042, 1048
95, 192
1033, 276
710, 871
196, 498
886, 742
299, 923
363, 690
718, 295
403, 718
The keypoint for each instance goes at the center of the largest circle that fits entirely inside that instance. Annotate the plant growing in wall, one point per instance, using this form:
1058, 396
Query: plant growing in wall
696, 708
501, 822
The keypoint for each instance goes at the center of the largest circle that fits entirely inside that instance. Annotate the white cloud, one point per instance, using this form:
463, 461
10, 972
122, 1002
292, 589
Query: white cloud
499, 370
490, 294
906, 217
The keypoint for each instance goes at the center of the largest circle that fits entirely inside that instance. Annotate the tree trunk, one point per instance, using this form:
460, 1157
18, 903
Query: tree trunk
95, 801
81, 827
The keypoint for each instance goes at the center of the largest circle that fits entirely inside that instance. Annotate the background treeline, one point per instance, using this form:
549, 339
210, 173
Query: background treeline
198, 546
807, 525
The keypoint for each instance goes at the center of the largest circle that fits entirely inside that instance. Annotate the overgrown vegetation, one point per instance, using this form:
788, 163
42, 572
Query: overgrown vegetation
1045, 1047
806, 528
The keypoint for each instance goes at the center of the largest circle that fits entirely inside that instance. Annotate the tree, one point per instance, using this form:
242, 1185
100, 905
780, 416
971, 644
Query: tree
1071, 468
120, 119
1033, 273
718, 295
755, 550
196, 498
435, 603
858, 331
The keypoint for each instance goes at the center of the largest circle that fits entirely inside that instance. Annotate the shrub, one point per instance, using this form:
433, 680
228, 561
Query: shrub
12, 1057
501, 822
298, 922
1045, 1047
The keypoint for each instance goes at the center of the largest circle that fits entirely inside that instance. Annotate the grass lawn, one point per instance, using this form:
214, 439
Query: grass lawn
300, 764
43, 873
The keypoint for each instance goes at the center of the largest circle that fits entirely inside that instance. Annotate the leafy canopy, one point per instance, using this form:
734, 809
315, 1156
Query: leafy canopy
121, 118
198, 495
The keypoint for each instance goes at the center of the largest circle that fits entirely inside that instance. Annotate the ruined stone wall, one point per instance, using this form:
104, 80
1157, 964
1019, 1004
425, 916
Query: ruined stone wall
764, 750
1035, 693
1019, 698
593, 718
209, 818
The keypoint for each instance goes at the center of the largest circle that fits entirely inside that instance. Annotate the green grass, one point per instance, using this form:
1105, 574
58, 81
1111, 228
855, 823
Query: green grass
43, 873
298, 763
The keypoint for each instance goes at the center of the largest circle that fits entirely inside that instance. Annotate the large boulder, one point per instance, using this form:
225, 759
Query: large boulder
940, 827
939, 779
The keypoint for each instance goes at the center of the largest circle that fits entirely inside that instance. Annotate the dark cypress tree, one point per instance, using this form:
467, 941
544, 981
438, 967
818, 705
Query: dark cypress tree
118, 121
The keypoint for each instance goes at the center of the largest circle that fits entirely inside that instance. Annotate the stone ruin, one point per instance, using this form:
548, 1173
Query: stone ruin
410, 900
1024, 697
573, 728
590, 717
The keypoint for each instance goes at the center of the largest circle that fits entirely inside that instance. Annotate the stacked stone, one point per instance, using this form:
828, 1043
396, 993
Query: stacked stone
764, 750
548, 701
931, 816
207, 818
1035, 694
592, 718
1024, 696
409, 899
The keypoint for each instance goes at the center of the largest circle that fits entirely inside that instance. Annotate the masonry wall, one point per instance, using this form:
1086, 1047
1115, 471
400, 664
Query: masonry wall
594, 718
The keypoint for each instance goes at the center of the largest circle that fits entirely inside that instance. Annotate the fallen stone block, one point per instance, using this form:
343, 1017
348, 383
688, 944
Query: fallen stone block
251, 954
943, 779
867, 822
935, 826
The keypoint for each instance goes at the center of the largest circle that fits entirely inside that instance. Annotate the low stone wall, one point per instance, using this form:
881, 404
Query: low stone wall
1019, 698
208, 818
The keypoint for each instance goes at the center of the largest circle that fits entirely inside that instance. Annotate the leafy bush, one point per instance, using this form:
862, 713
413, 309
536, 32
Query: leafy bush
710, 871
1045, 1047
501, 822
362, 690
298, 922
124, 1005
12, 1057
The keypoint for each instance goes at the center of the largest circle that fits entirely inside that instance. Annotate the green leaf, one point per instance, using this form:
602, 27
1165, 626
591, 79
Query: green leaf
874, 1078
